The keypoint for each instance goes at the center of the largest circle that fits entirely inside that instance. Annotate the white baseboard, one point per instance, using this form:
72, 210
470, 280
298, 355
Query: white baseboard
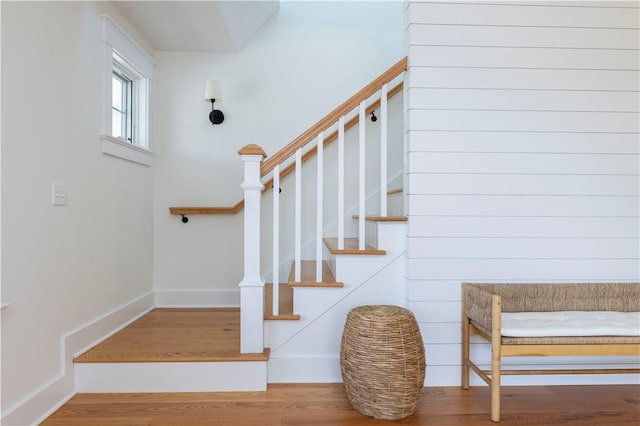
197, 298
152, 377
327, 370
304, 370
43, 402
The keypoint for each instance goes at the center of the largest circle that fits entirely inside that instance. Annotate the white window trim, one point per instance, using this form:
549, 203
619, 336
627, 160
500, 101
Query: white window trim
121, 149
115, 39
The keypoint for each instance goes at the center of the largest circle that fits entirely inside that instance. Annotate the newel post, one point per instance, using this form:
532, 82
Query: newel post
252, 286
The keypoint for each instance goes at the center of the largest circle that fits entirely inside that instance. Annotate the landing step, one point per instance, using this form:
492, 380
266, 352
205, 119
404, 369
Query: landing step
308, 275
173, 350
350, 247
175, 335
382, 218
285, 303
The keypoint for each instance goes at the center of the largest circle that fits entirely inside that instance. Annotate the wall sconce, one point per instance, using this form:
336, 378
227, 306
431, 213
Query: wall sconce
212, 94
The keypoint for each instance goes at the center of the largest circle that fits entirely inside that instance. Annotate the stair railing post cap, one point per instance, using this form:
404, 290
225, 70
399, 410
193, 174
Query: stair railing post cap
252, 149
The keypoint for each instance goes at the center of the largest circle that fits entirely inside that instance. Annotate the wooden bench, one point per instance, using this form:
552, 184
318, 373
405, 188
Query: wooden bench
484, 304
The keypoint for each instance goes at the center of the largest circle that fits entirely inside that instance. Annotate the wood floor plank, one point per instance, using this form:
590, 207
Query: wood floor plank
176, 335
326, 404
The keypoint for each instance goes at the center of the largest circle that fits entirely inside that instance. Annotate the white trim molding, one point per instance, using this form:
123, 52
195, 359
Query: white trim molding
304, 370
104, 377
42, 403
120, 149
140, 63
117, 38
197, 298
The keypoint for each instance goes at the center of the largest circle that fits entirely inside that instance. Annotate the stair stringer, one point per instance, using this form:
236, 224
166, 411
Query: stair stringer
312, 354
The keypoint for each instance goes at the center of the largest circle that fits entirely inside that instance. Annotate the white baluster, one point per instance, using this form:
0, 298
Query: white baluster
361, 169
276, 239
383, 151
319, 206
341, 183
252, 286
298, 218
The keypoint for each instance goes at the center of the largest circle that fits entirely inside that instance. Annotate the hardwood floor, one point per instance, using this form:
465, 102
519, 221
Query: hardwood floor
176, 335
213, 334
326, 404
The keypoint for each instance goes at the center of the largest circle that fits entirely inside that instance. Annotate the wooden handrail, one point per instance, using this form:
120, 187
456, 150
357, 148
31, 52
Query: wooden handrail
310, 134
208, 210
333, 136
333, 116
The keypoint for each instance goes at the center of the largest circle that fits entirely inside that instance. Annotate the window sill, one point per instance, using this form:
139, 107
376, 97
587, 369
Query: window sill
119, 149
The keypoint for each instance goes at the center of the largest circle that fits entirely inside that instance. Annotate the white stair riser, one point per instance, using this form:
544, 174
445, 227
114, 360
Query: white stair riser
395, 204
356, 268
313, 301
389, 236
171, 377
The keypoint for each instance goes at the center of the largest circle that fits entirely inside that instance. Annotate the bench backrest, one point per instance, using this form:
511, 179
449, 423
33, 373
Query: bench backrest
622, 297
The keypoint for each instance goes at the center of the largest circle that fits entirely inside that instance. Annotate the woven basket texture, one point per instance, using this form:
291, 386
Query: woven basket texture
382, 361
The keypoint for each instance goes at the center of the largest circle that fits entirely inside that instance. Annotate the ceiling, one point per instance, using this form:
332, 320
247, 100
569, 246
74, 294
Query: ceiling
197, 26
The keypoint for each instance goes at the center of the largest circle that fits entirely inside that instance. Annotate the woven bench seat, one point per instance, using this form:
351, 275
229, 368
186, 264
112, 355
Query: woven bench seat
562, 340
570, 323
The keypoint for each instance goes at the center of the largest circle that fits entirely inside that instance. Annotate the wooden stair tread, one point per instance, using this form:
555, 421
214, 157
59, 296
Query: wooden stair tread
351, 247
382, 218
308, 275
285, 303
175, 335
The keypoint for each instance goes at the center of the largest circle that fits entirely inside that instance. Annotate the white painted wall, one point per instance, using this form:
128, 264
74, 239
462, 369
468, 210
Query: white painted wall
309, 58
62, 267
522, 156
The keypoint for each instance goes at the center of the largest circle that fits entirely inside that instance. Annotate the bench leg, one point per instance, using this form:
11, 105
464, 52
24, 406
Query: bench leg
495, 387
465, 352
496, 354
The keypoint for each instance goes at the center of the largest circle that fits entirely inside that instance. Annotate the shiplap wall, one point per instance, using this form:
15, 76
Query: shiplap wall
522, 157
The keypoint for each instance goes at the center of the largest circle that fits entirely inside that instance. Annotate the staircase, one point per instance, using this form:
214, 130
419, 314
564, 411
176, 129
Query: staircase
305, 339
349, 260
290, 329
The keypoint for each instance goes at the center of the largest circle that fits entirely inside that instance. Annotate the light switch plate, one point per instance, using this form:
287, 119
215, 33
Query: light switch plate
58, 194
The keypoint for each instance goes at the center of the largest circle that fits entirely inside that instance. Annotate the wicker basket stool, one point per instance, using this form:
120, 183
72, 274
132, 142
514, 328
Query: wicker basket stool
382, 361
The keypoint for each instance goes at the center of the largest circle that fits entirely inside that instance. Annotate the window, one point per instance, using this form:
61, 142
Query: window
128, 103
128, 76
121, 106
